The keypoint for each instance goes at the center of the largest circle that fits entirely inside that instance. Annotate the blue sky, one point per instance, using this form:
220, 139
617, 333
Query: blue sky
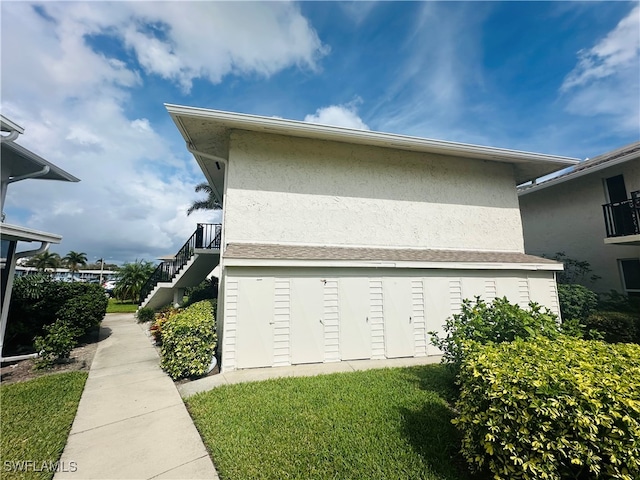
88, 81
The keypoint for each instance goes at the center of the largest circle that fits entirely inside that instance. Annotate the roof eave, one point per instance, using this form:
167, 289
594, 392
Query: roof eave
22, 234
542, 163
573, 175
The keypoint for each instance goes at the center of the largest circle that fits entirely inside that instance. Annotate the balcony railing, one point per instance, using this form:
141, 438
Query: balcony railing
623, 218
206, 236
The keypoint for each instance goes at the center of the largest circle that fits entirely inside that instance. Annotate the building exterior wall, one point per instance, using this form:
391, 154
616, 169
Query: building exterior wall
568, 218
300, 191
289, 315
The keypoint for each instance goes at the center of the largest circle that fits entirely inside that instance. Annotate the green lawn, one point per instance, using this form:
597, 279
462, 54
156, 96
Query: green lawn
116, 306
36, 417
377, 424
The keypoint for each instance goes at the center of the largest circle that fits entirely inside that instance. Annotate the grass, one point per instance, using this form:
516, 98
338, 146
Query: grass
382, 424
36, 418
116, 306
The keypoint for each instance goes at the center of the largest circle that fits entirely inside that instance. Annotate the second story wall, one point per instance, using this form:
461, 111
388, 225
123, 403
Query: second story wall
568, 217
299, 191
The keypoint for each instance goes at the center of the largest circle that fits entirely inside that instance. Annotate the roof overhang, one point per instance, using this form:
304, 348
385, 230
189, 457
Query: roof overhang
8, 125
16, 233
207, 135
593, 165
18, 161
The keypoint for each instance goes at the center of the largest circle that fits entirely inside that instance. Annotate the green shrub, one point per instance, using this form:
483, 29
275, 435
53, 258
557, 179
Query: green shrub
189, 341
207, 290
617, 302
497, 322
57, 344
37, 300
614, 327
554, 409
576, 302
85, 310
145, 314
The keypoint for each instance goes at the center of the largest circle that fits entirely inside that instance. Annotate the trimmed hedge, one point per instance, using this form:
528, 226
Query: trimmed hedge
189, 341
37, 301
551, 409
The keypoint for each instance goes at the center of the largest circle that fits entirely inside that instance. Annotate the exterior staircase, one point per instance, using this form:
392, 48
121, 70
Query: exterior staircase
188, 268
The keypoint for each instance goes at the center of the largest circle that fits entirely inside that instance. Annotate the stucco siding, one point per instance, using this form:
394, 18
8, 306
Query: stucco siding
297, 191
568, 218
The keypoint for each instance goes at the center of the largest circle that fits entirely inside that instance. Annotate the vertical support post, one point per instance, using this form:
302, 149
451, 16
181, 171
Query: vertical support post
199, 236
8, 273
178, 294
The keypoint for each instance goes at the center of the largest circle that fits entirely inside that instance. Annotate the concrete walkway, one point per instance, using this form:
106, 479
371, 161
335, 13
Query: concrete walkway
131, 421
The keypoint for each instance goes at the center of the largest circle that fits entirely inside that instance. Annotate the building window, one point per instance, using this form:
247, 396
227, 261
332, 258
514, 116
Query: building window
630, 270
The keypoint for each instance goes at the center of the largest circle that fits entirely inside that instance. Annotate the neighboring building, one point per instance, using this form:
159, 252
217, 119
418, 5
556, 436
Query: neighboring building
66, 275
341, 244
18, 163
591, 213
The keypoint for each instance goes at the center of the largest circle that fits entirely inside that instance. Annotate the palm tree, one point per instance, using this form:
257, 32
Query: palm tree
209, 204
45, 260
74, 259
131, 278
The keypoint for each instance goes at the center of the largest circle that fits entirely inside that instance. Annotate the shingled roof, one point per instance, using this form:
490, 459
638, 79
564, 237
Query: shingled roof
621, 155
254, 251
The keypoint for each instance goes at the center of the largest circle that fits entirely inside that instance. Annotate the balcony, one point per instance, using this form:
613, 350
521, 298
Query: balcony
622, 221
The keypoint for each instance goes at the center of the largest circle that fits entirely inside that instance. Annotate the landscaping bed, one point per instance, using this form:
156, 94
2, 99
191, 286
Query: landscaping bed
79, 360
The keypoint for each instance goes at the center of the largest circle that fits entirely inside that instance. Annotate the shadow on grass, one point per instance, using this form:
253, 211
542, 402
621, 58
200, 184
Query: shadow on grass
429, 429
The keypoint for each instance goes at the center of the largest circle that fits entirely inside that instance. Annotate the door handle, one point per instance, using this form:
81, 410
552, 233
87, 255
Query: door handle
409, 319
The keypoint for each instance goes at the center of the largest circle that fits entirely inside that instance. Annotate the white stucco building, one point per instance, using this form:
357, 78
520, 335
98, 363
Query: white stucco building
591, 213
341, 244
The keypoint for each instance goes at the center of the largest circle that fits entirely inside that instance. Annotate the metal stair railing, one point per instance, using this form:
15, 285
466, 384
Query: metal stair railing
206, 236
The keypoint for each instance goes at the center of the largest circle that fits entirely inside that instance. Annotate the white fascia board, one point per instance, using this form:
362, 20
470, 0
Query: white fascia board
23, 234
365, 137
242, 262
7, 125
572, 175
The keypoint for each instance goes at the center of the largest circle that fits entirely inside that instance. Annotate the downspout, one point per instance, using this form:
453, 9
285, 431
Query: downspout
37, 174
46, 169
7, 298
206, 155
11, 137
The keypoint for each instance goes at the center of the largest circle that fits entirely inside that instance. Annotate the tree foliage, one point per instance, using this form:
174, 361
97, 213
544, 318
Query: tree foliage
210, 203
131, 278
74, 260
45, 261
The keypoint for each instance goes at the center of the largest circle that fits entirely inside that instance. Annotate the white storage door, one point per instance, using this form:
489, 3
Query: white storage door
398, 322
254, 343
353, 310
307, 329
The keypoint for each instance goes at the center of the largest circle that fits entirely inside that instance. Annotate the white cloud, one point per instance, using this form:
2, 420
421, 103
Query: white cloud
605, 79
209, 40
339, 116
619, 50
442, 61
74, 102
